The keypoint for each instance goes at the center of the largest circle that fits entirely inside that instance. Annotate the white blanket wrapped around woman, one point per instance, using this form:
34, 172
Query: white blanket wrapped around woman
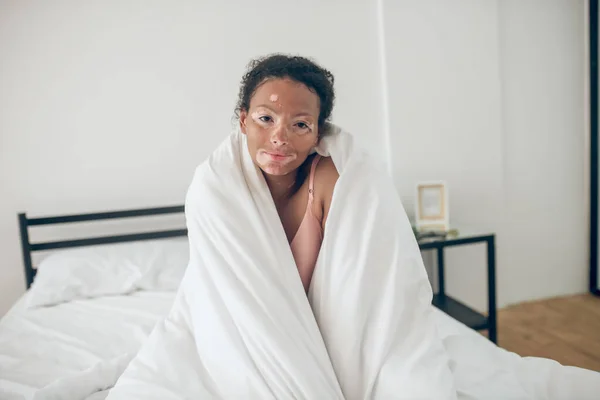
242, 325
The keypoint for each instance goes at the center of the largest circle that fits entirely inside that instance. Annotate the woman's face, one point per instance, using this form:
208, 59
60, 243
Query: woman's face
281, 125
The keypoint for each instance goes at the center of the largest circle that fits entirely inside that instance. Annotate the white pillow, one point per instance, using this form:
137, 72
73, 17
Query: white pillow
95, 271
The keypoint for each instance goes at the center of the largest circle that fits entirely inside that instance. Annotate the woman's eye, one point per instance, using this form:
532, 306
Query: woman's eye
302, 125
265, 118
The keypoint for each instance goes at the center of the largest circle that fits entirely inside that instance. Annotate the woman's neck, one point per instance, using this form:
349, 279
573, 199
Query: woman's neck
281, 186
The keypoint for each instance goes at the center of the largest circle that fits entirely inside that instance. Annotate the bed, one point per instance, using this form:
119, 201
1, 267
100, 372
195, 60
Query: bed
75, 346
43, 351
84, 338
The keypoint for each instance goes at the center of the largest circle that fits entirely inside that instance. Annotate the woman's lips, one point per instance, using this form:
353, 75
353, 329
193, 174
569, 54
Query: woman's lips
277, 156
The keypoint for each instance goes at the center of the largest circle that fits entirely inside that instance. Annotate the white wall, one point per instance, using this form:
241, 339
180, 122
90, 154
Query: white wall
109, 105
543, 63
444, 95
489, 97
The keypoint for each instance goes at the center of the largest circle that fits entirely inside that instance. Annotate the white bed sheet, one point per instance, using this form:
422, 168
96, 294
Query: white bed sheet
42, 347
448, 326
484, 371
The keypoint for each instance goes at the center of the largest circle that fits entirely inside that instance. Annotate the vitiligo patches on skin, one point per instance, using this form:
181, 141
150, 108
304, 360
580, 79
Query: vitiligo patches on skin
274, 97
274, 167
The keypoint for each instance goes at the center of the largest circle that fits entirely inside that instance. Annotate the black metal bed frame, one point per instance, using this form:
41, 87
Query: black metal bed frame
28, 247
441, 300
593, 41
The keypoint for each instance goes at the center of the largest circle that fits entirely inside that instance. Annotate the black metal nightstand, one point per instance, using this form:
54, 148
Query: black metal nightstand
453, 307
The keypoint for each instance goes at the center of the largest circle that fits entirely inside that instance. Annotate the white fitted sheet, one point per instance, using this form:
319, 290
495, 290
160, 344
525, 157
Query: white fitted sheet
41, 347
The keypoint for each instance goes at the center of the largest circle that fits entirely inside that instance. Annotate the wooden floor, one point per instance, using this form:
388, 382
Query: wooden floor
565, 329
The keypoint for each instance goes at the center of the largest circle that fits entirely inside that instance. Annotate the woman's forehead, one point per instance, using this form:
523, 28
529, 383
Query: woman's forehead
286, 93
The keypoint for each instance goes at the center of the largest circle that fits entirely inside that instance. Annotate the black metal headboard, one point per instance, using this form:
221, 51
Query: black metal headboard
28, 247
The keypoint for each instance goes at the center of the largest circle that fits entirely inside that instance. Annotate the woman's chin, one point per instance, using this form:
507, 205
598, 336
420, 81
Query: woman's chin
275, 169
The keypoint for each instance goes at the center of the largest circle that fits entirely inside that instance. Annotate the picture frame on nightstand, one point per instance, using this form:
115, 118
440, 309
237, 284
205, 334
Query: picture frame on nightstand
431, 207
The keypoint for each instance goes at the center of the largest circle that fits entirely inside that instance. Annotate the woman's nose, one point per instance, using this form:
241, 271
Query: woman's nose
279, 137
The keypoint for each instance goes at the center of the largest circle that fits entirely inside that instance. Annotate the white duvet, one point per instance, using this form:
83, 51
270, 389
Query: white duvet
242, 327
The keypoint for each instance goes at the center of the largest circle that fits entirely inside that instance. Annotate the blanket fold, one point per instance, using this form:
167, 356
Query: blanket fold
242, 325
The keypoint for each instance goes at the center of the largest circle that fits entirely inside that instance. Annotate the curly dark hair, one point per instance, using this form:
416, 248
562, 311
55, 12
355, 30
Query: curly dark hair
296, 68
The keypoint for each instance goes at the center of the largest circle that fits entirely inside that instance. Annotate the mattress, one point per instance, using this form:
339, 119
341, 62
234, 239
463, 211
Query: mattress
45, 348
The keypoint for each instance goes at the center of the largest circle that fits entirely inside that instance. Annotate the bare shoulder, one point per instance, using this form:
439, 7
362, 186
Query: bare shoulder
326, 176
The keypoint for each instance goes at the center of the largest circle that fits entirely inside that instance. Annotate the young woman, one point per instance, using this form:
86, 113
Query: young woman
283, 105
